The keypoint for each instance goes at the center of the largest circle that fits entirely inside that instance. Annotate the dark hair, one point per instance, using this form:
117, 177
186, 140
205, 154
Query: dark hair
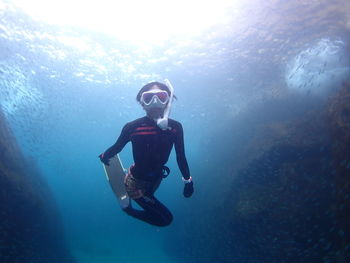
148, 86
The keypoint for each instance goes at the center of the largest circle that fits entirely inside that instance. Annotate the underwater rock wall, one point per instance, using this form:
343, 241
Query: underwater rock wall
30, 227
290, 202
339, 120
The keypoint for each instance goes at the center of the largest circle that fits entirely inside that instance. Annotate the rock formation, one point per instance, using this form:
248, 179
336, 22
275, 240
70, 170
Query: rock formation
30, 227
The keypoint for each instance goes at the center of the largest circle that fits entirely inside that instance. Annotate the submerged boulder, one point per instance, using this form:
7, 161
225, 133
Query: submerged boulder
31, 230
289, 202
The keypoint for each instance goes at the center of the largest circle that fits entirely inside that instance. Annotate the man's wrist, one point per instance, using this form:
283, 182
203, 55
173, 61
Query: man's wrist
187, 181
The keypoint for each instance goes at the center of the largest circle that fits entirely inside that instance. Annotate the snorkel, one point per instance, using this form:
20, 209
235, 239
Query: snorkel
163, 122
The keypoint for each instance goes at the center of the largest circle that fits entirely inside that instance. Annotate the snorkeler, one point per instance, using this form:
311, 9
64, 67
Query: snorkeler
152, 138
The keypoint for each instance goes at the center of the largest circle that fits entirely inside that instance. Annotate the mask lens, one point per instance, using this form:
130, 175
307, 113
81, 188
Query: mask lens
147, 97
163, 96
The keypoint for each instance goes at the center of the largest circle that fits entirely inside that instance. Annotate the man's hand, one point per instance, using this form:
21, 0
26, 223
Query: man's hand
104, 159
188, 189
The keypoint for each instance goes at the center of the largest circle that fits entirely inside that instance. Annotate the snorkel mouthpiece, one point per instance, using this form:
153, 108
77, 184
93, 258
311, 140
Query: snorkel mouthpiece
163, 122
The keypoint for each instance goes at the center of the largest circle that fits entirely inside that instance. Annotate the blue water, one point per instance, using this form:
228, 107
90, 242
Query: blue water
67, 104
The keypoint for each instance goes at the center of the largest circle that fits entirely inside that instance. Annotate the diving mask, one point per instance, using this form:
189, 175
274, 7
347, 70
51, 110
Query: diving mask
155, 98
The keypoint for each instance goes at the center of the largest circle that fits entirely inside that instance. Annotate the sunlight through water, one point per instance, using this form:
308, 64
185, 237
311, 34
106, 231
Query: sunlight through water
146, 22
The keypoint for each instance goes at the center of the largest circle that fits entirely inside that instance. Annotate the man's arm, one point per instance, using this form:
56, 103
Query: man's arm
123, 139
182, 162
180, 153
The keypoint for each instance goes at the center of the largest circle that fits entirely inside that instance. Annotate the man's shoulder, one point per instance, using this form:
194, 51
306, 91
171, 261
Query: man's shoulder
138, 122
174, 124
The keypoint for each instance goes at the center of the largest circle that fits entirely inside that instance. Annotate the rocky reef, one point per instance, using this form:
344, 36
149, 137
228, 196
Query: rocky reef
30, 227
288, 202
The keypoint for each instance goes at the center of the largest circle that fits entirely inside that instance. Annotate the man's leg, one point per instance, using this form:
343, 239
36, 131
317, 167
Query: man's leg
154, 213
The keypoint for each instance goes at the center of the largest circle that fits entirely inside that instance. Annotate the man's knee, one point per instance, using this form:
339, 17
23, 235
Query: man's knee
166, 220
129, 210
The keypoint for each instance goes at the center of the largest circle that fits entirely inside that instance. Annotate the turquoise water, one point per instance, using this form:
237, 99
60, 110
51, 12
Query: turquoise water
68, 91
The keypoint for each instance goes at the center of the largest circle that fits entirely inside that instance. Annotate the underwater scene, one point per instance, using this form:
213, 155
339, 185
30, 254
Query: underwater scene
263, 95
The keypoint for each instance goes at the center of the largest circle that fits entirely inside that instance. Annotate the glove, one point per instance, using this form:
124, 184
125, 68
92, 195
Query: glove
104, 159
188, 189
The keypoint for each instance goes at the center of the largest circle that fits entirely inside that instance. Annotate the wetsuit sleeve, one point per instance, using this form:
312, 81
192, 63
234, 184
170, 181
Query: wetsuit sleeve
180, 153
123, 139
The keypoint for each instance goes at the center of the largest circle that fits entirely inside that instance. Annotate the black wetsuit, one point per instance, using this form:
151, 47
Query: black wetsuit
151, 147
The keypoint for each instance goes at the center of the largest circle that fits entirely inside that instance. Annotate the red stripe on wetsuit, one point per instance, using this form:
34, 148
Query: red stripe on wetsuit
147, 130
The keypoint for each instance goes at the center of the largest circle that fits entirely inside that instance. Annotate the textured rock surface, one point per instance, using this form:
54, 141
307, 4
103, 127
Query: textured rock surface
30, 226
289, 202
